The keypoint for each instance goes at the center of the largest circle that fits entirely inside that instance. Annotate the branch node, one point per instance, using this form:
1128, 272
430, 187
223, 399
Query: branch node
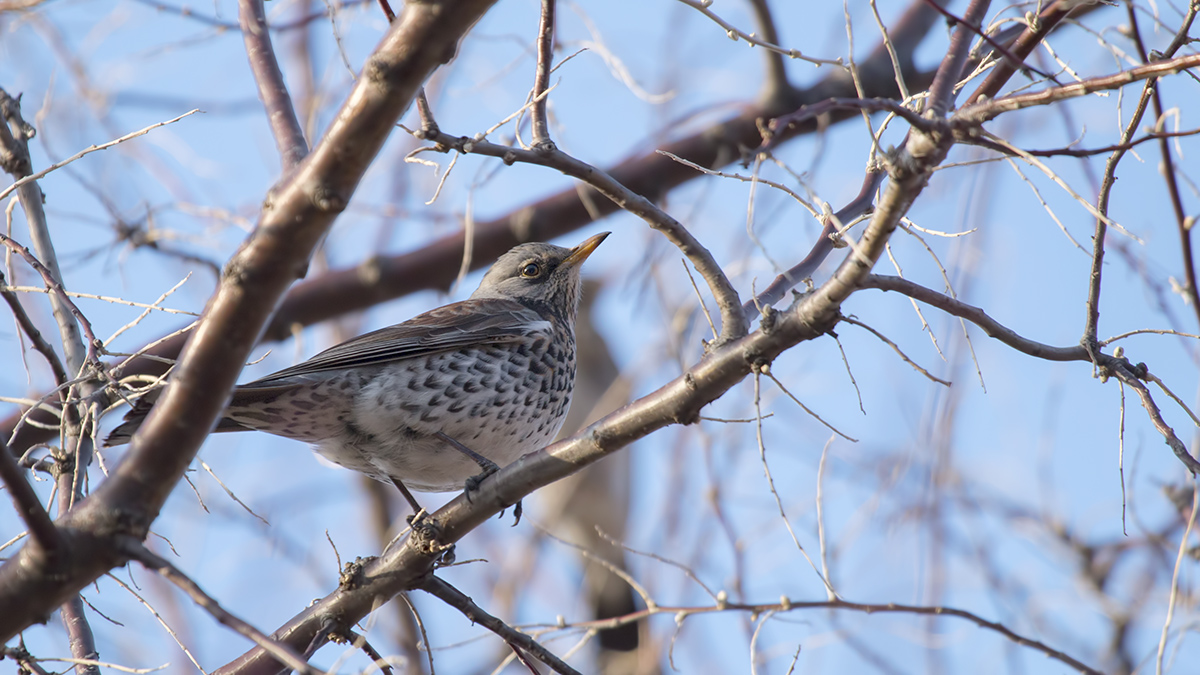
352, 575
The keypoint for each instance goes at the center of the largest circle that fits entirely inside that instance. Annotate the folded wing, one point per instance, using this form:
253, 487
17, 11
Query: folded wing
462, 324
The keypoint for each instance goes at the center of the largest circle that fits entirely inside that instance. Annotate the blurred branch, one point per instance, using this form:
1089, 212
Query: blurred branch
1182, 224
776, 77
788, 605
193, 15
769, 41
6, 101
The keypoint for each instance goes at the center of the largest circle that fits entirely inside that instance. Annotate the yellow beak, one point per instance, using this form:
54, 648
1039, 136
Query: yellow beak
582, 251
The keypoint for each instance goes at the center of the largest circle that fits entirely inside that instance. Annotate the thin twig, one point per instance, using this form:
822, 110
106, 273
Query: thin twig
152, 561
540, 126
25, 500
1173, 598
456, 599
733, 323
34, 335
883, 338
735, 34
89, 150
56, 288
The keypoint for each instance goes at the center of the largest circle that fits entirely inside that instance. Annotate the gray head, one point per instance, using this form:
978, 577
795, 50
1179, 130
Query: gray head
539, 274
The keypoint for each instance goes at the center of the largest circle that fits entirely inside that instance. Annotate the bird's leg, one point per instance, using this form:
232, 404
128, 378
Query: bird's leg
489, 467
412, 501
424, 528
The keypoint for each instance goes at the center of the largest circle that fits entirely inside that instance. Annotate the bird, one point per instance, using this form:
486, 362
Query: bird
428, 403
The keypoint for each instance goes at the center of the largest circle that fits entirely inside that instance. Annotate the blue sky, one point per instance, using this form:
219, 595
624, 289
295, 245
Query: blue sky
949, 496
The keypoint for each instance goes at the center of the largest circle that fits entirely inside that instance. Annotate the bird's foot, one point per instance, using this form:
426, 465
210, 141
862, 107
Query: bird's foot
472, 484
517, 511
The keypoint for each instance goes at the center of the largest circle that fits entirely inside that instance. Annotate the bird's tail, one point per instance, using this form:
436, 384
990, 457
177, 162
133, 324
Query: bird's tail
141, 408
133, 419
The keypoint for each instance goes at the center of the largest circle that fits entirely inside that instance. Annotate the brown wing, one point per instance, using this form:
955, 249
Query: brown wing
461, 324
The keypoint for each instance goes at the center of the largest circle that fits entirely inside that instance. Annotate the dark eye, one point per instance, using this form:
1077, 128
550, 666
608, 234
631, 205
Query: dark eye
531, 270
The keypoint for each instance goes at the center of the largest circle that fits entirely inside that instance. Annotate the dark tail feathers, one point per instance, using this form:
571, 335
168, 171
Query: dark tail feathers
137, 414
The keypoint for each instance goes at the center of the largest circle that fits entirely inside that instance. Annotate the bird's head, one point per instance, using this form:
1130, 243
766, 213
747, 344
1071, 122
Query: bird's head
539, 274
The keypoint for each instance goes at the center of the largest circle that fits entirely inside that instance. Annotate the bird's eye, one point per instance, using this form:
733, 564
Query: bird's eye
531, 270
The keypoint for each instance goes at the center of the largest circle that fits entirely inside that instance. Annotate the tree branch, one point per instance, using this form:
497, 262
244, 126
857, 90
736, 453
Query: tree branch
152, 561
649, 174
733, 324
296, 216
541, 82
281, 114
515, 639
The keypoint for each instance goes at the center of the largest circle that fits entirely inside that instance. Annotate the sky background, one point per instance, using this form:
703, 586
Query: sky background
956, 496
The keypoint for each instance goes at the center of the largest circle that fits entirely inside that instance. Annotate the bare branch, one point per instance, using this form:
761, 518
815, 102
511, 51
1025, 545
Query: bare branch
517, 640
171, 573
87, 151
941, 92
34, 335
41, 529
770, 41
301, 210
434, 265
733, 324
981, 112
281, 114
541, 82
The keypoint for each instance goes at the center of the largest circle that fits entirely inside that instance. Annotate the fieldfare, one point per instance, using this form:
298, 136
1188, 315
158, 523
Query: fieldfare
426, 403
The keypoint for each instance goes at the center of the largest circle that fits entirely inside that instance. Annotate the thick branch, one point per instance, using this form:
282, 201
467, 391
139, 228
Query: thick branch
294, 219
